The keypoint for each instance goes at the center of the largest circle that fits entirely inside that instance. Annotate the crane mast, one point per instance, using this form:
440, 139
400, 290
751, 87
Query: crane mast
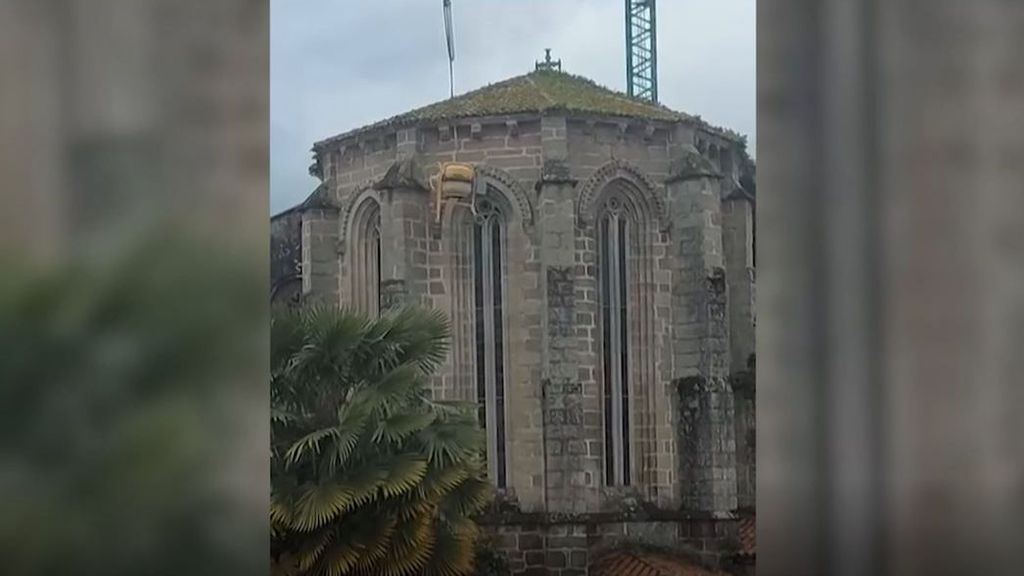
641, 50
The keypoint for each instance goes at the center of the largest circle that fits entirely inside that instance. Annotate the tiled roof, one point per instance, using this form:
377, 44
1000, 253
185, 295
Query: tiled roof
538, 91
748, 536
318, 198
631, 563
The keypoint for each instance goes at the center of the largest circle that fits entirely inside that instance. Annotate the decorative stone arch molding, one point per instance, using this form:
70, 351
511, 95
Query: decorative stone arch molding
364, 266
645, 190
348, 212
474, 245
514, 193
622, 214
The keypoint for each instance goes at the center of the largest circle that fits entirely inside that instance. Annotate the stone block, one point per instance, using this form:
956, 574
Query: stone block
578, 559
575, 541
556, 559
535, 558
530, 541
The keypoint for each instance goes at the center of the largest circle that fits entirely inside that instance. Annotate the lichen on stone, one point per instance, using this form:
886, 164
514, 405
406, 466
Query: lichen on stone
405, 173
538, 92
692, 165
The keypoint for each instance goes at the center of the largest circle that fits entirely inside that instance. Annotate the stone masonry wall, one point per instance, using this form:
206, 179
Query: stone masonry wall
738, 238
684, 442
319, 255
593, 143
285, 255
746, 441
701, 343
572, 454
600, 151
738, 244
511, 152
569, 546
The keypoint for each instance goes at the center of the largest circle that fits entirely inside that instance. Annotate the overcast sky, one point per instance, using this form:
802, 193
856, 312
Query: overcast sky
336, 65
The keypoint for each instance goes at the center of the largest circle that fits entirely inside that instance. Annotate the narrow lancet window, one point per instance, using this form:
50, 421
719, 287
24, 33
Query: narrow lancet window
366, 259
488, 251
613, 247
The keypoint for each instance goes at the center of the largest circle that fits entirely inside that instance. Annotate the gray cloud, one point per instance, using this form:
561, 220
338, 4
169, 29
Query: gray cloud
337, 65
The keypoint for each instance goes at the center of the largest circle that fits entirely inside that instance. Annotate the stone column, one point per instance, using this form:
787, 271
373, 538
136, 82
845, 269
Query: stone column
571, 465
320, 271
570, 476
744, 393
404, 214
738, 244
700, 339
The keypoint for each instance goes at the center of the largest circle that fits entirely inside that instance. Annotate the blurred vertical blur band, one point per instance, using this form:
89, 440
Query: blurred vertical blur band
891, 287
133, 287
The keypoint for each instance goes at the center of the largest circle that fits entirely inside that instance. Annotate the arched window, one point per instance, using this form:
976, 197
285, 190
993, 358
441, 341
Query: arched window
479, 319
622, 217
617, 234
488, 279
365, 262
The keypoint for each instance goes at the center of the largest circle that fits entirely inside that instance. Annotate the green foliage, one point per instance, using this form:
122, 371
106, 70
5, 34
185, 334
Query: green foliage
369, 475
128, 378
489, 561
538, 91
747, 170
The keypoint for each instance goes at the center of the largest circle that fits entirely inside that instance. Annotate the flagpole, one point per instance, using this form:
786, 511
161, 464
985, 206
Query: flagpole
450, 41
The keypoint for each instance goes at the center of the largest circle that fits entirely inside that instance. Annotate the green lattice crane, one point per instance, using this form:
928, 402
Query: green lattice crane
641, 50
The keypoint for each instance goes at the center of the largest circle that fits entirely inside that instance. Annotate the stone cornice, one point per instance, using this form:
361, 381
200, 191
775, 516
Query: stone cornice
649, 514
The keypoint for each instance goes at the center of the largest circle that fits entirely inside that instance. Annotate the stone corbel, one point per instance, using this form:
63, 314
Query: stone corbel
512, 126
623, 128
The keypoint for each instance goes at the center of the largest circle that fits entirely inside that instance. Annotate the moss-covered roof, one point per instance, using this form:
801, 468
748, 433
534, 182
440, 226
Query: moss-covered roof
536, 92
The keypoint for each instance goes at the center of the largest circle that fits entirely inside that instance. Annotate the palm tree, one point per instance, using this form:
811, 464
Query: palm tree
369, 475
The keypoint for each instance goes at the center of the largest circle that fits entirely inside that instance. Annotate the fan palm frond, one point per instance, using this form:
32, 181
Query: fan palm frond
369, 476
310, 443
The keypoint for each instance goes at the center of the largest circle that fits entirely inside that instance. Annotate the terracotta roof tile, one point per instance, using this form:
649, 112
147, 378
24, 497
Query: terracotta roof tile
629, 563
748, 536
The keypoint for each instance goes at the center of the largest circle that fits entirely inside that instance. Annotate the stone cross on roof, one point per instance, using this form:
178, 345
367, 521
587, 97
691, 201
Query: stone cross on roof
548, 63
